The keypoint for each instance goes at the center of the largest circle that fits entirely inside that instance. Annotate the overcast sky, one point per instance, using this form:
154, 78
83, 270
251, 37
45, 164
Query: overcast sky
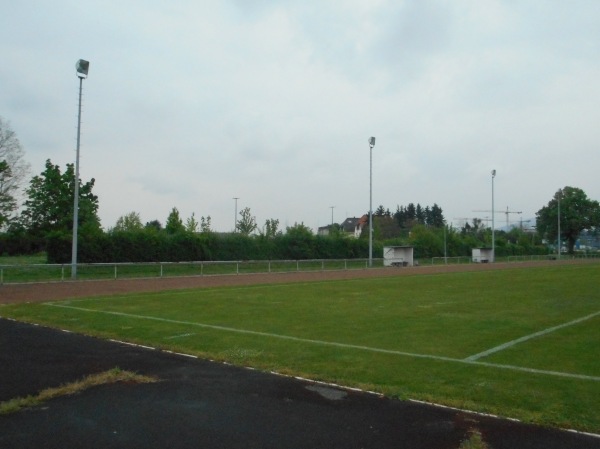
189, 104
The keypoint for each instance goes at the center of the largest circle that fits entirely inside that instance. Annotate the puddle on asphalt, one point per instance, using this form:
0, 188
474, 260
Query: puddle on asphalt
328, 393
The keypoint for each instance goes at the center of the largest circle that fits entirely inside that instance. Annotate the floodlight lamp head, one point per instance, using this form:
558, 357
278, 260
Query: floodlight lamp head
82, 68
371, 142
493, 173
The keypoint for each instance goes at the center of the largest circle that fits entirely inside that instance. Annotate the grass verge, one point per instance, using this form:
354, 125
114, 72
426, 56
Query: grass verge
107, 377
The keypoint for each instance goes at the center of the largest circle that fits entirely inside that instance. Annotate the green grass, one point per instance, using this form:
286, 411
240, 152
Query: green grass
23, 260
405, 336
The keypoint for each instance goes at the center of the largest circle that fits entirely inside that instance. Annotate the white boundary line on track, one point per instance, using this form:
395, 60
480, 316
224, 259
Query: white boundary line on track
358, 390
416, 401
528, 337
335, 344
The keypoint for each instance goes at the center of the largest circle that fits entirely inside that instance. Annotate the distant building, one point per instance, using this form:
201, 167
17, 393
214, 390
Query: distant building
351, 227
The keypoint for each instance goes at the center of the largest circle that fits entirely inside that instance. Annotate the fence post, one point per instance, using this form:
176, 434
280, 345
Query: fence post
1, 276
161, 270
115, 271
62, 272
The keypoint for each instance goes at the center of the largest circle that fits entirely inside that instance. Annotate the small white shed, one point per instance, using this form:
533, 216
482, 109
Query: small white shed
482, 255
398, 256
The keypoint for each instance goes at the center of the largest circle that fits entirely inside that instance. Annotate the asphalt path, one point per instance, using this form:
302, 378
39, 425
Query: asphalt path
203, 404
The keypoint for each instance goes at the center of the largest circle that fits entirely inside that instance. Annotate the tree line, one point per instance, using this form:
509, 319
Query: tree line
37, 215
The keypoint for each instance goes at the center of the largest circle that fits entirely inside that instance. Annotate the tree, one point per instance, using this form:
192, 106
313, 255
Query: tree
174, 223
7, 202
13, 171
436, 216
129, 222
153, 225
205, 225
271, 227
49, 204
191, 224
380, 211
247, 224
577, 213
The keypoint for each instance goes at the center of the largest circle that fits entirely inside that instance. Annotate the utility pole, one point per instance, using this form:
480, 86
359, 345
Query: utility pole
235, 215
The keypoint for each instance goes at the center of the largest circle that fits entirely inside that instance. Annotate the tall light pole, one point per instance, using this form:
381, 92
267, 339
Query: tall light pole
82, 68
558, 237
332, 207
235, 215
493, 222
371, 145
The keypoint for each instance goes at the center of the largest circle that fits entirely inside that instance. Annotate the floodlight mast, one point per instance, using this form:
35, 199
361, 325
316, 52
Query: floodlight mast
82, 66
493, 223
371, 145
235, 198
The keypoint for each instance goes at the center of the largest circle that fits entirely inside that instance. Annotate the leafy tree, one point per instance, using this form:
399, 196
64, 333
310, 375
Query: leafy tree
577, 213
205, 225
297, 242
49, 205
13, 171
7, 202
411, 215
174, 223
154, 225
247, 224
191, 224
435, 217
420, 214
385, 227
129, 222
271, 227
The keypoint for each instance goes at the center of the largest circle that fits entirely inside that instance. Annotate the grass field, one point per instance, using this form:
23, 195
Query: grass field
521, 343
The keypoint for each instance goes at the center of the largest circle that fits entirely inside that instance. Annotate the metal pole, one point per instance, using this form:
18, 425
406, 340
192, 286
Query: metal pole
370, 205
493, 222
235, 216
76, 192
558, 237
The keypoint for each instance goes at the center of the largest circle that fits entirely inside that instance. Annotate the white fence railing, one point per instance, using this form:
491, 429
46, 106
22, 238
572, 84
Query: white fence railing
61, 272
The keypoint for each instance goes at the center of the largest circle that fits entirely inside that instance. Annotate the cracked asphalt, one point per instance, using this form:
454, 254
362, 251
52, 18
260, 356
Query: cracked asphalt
203, 404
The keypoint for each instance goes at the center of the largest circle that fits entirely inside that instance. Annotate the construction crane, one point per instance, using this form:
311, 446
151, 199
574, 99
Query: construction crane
507, 212
465, 220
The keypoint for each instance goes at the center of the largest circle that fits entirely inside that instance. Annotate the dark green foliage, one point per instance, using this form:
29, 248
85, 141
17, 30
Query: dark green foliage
148, 245
413, 215
577, 213
174, 222
49, 207
18, 242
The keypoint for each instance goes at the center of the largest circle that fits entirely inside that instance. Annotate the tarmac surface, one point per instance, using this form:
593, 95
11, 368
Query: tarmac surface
203, 404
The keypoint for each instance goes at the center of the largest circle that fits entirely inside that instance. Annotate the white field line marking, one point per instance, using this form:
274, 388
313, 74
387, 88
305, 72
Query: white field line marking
528, 337
331, 343
179, 336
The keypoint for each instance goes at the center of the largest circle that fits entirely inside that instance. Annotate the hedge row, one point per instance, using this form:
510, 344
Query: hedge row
18, 244
145, 246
